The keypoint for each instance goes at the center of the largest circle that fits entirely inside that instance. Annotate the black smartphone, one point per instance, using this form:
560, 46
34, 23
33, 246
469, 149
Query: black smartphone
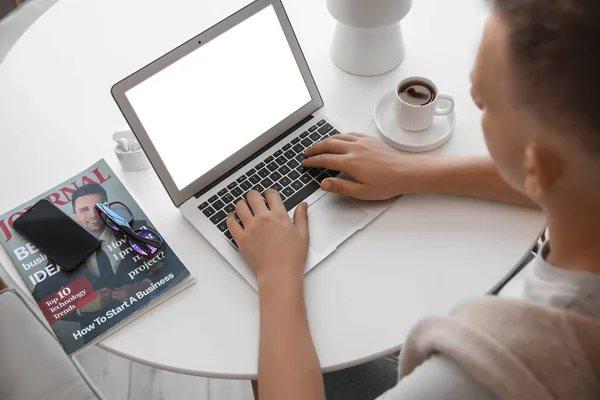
57, 235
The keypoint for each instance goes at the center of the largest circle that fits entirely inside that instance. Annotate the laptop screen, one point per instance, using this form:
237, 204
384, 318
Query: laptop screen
214, 101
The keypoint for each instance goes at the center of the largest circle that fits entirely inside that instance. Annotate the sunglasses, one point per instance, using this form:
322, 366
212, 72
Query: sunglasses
119, 218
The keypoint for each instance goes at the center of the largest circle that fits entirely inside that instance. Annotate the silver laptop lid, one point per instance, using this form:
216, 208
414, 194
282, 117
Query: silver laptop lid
206, 106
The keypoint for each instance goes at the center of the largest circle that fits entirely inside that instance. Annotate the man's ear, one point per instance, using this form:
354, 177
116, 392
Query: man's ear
543, 168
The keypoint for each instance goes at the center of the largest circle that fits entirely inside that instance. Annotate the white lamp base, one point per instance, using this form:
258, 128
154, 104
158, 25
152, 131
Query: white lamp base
367, 52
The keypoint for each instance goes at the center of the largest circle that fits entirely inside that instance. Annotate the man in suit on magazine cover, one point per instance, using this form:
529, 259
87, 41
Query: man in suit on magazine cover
107, 273
108, 270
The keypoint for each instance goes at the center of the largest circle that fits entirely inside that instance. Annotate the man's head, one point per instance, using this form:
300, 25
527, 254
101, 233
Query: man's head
536, 80
84, 199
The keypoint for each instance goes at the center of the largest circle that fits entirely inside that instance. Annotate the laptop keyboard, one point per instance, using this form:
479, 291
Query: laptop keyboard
280, 171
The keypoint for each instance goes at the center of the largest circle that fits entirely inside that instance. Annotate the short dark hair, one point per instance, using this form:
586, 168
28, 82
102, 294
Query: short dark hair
554, 54
85, 190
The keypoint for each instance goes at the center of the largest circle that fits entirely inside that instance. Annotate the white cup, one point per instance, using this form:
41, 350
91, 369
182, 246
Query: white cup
420, 117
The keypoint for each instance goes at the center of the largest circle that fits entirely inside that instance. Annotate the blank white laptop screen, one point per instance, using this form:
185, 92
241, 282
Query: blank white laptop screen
214, 101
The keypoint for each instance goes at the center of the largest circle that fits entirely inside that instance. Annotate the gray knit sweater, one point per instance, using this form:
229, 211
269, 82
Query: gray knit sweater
547, 347
516, 349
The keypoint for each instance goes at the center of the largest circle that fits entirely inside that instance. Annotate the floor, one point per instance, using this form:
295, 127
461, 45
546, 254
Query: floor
121, 379
5, 7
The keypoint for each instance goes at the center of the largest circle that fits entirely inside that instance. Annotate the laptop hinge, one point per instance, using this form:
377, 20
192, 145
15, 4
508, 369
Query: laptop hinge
252, 157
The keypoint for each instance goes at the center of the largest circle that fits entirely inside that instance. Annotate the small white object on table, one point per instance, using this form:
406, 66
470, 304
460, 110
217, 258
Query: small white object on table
130, 154
425, 254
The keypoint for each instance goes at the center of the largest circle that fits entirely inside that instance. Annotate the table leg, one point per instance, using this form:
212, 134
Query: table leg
2, 284
255, 389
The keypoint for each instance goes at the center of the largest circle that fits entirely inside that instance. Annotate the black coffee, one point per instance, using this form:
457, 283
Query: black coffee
416, 93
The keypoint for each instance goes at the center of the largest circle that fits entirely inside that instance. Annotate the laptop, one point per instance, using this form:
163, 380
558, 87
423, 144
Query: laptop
231, 110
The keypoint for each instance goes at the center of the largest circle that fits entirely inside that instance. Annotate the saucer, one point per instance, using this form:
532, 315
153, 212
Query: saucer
426, 140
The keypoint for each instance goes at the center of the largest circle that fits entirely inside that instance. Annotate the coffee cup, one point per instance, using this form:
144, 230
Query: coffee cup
417, 103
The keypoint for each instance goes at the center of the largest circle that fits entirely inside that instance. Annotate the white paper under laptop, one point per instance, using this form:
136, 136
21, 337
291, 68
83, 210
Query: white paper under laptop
231, 110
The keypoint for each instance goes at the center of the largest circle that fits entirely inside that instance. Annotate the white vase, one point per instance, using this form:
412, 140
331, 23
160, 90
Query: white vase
368, 38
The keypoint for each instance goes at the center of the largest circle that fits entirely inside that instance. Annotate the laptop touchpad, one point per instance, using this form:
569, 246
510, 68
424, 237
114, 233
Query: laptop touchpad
331, 219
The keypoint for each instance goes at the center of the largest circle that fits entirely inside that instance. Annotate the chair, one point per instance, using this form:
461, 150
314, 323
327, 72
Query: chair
35, 365
513, 284
19, 20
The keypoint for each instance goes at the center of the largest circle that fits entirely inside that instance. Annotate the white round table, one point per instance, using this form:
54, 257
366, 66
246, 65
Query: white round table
423, 255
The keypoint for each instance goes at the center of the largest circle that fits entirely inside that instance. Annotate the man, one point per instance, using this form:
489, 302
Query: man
536, 81
108, 275
103, 266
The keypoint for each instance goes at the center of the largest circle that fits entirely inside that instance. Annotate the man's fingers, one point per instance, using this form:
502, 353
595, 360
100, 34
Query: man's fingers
357, 134
343, 186
243, 212
346, 137
331, 145
329, 161
274, 201
256, 202
234, 226
301, 219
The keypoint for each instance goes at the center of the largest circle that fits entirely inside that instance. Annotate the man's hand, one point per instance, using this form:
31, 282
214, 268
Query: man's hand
125, 292
379, 172
100, 302
272, 244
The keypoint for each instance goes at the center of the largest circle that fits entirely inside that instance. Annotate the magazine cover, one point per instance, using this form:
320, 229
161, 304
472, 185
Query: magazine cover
113, 283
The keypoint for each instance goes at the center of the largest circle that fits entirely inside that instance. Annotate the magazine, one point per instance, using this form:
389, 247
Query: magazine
114, 285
